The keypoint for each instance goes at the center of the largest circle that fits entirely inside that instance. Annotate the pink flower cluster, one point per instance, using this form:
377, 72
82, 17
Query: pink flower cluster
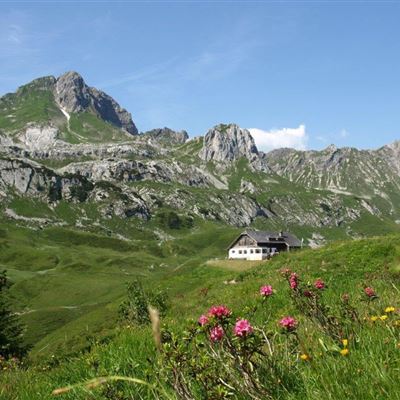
288, 323
203, 320
293, 280
369, 292
266, 291
319, 284
219, 312
217, 333
242, 328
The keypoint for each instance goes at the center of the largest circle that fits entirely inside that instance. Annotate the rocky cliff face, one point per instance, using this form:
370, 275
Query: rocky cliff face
74, 96
225, 143
354, 172
71, 93
222, 177
391, 154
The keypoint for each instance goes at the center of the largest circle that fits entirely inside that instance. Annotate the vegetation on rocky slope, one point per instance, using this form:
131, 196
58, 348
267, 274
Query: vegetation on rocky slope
88, 210
360, 363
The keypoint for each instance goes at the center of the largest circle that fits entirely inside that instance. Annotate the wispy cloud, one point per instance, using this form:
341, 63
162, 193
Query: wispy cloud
15, 40
163, 87
338, 137
295, 138
23, 45
151, 73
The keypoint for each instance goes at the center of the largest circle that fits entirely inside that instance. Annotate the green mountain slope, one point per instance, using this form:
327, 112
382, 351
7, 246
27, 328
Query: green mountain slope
68, 283
87, 204
32, 103
69, 154
36, 105
346, 267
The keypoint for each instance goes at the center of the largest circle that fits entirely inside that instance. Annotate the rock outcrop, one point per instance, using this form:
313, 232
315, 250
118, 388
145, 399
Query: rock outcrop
391, 154
74, 96
80, 165
168, 136
225, 143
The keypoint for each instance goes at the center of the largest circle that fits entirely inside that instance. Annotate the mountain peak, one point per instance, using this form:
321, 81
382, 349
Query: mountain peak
168, 135
228, 142
71, 74
74, 96
331, 148
71, 92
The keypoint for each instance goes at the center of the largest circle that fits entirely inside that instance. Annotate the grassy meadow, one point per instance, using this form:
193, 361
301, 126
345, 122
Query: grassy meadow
55, 272
68, 284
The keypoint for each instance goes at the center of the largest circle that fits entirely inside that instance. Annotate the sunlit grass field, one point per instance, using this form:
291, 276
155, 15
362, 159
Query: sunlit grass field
369, 371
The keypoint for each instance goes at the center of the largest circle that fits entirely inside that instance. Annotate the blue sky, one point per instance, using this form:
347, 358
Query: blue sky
304, 74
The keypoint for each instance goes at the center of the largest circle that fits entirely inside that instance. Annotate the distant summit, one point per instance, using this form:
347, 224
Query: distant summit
228, 143
79, 113
167, 135
74, 96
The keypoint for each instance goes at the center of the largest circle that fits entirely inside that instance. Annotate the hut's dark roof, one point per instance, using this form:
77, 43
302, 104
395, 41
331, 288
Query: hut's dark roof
264, 236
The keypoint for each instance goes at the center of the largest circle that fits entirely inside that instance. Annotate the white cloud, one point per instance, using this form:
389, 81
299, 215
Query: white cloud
295, 138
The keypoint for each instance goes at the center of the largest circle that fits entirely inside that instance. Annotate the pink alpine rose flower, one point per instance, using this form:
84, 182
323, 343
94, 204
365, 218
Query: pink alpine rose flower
242, 328
288, 323
319, 284
219, 312
216, 333
266, 291
293, 280
203, 320
369, 292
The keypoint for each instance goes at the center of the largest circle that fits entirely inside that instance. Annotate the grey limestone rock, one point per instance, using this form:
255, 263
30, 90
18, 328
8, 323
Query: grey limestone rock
225, 143
168, 136
74, 96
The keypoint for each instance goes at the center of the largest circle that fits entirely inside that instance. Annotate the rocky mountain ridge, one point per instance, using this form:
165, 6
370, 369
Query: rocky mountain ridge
53, 169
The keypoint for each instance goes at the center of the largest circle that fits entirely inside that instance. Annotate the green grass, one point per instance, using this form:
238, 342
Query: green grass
35, 102
32, 102
66, 279
86, 127
234, 265
28, 207
193, 286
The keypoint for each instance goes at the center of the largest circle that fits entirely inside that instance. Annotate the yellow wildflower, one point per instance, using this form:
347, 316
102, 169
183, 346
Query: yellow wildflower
389, 309
373, 318
397, 323
344, 352
345, 342
305, 357
383, 317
